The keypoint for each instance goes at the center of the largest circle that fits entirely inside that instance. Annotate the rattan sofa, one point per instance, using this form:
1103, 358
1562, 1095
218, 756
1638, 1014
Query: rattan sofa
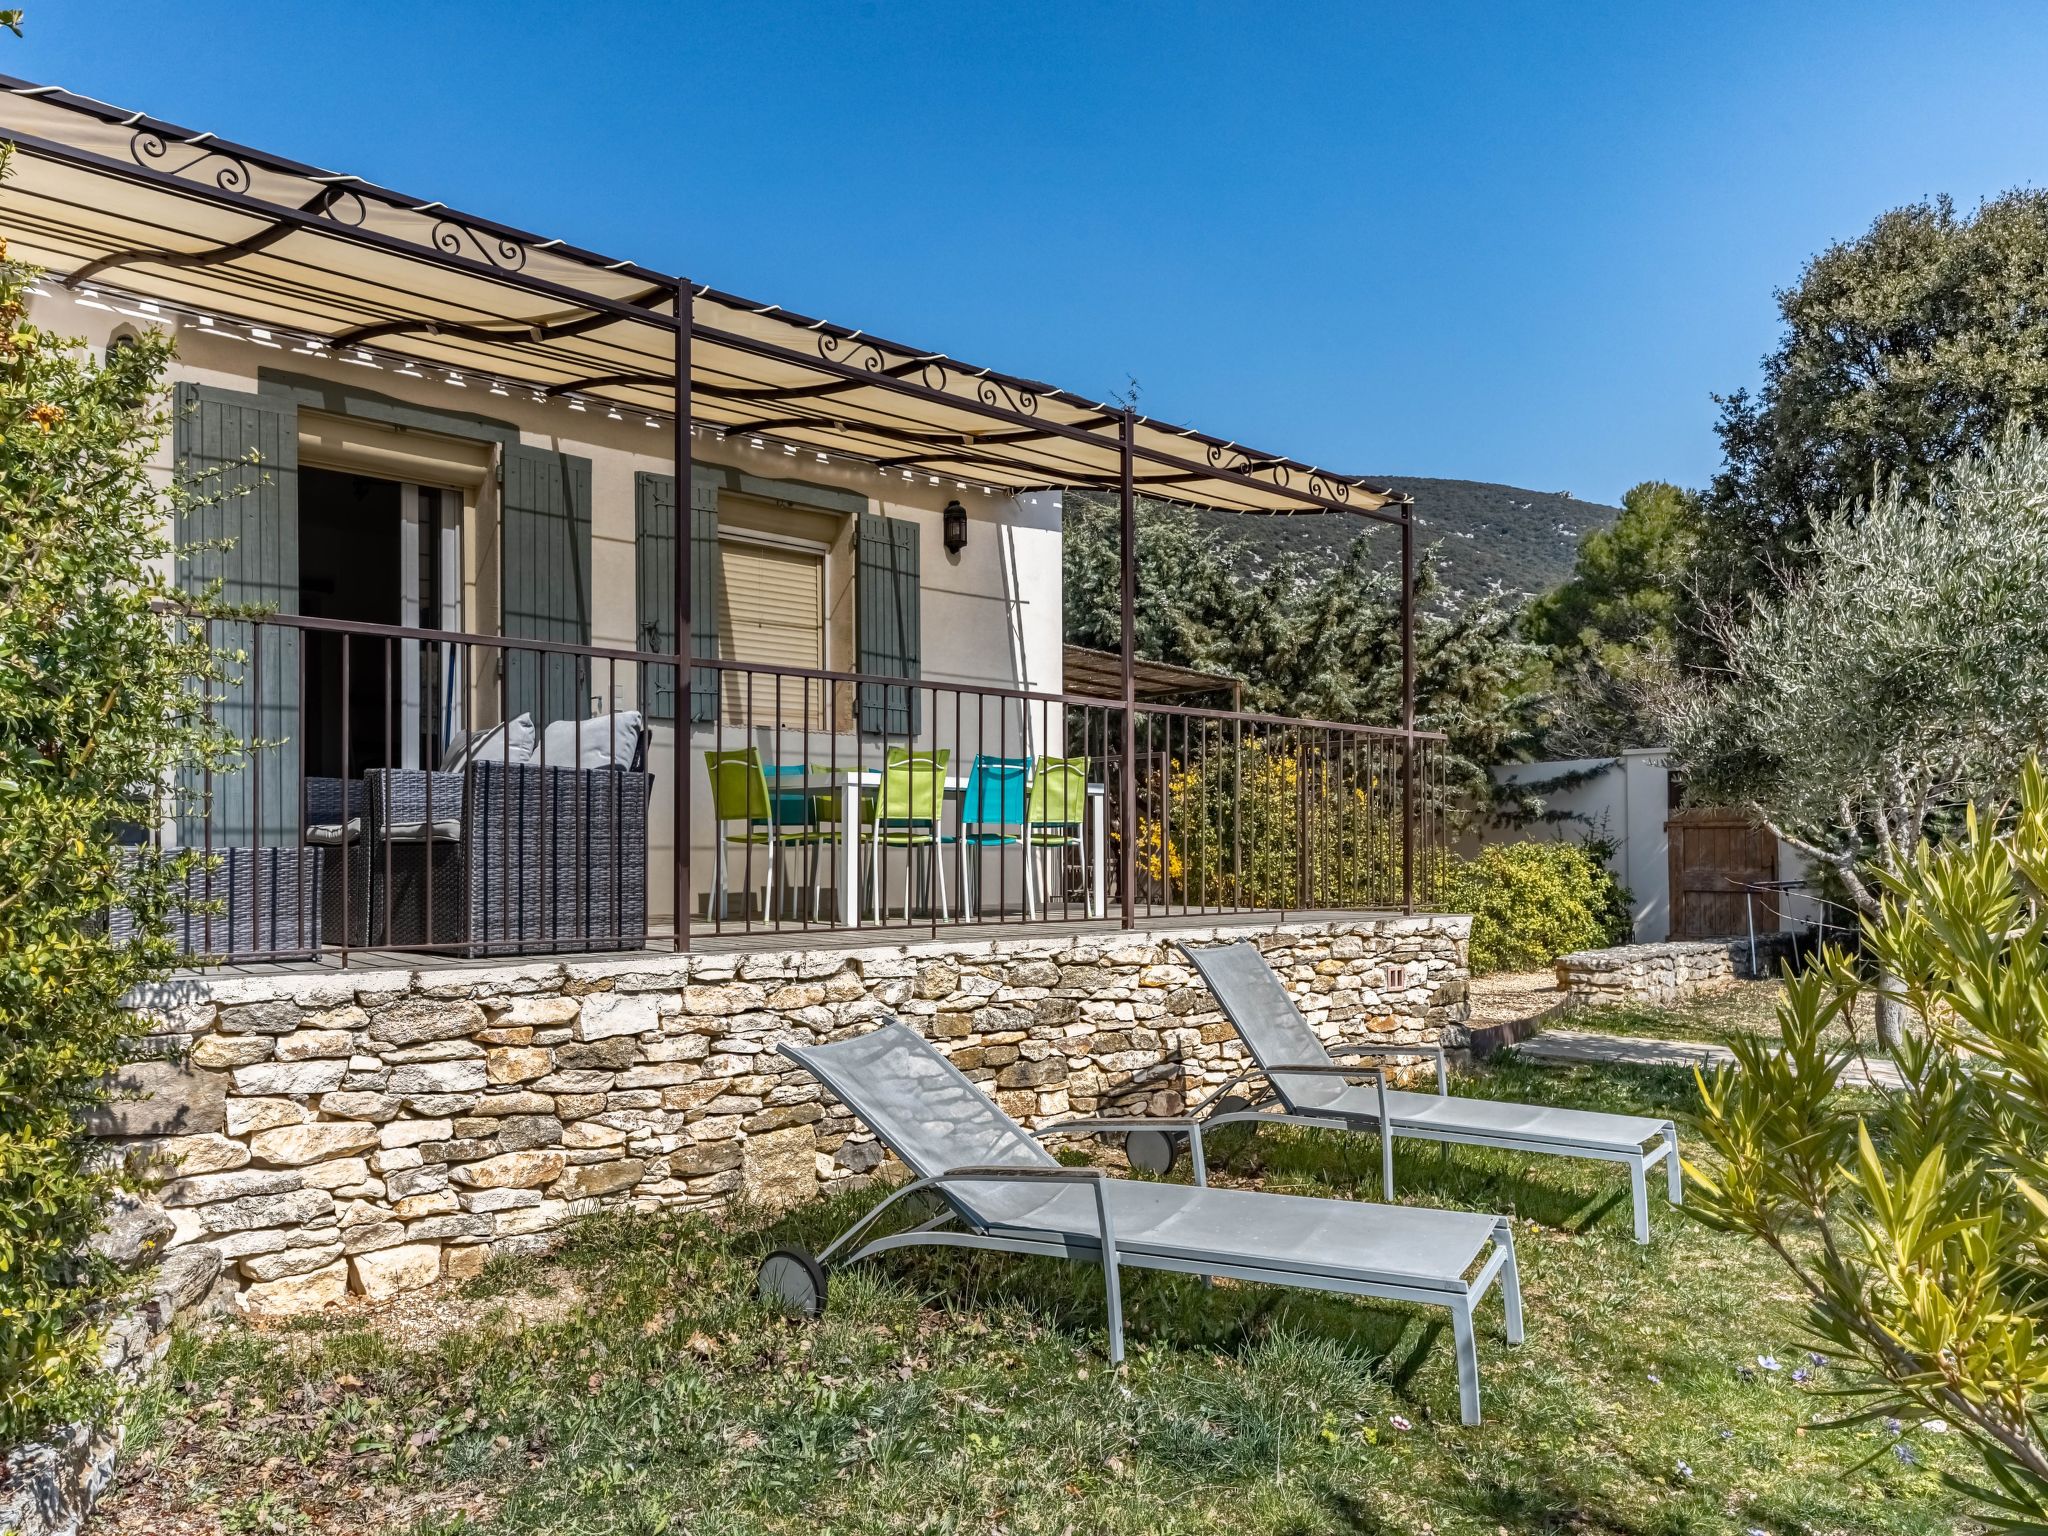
493, 860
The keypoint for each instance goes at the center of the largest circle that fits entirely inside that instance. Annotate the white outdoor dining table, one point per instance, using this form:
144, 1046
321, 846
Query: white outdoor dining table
847, 782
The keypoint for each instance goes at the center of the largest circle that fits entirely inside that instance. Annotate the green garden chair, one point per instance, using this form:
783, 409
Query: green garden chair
904, 813
747, 814
1058, 816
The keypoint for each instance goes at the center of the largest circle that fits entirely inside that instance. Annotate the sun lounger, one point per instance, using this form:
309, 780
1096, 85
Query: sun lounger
1309, 1087
1002, 1190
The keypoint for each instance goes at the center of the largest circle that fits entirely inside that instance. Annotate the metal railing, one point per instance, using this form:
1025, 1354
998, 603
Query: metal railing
815, 800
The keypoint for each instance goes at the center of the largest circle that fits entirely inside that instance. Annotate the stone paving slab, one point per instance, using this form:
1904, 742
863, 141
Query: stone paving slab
1578, 1047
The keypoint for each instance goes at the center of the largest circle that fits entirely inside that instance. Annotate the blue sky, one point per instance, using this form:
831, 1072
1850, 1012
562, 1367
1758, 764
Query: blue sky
1491, 241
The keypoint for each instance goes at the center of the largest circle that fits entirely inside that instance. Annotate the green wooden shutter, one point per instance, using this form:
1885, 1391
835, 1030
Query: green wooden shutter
886, 600
237, 463
654, 499
544, 568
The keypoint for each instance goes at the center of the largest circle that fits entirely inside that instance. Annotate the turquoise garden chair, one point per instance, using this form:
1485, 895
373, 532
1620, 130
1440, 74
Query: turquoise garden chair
993, 814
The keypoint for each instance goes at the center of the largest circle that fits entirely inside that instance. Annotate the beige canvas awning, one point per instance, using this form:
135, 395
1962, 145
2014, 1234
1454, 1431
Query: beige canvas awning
114, 202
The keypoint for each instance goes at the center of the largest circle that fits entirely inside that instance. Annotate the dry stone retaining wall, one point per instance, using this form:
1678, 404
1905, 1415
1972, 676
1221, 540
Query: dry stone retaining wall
372, 1131
1649, 973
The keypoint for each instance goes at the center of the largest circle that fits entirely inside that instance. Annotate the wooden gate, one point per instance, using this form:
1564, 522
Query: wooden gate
1714, 853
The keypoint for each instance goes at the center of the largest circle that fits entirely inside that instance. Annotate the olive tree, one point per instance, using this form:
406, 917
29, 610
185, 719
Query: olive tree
1917, 1227
1899, 674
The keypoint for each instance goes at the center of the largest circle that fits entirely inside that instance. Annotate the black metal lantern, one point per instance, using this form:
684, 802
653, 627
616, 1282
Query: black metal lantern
956, 527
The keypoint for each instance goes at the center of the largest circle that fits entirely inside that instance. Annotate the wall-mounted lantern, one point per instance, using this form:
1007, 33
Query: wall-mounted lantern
956, 527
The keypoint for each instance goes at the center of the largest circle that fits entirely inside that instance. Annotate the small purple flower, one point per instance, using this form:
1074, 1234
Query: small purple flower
1684, 1471
1802, 1376
1768, 1363
1908, 1457
1819, 1360
1399, 1422
1727, 1434
1893, 1425
1655, 1380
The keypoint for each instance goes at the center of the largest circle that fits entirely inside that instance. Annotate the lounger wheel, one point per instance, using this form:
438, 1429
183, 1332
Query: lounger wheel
793, 1278
1154, 1152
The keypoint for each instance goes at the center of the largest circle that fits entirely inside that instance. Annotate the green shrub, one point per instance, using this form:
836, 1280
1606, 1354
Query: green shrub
99, 699
1531, 902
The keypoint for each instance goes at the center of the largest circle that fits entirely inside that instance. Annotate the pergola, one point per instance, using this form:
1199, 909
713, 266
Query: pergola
181, 223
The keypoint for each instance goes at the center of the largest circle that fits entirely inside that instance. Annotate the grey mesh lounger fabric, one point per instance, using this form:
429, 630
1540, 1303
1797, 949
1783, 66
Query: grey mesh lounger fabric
1257, 1003
1002, 1190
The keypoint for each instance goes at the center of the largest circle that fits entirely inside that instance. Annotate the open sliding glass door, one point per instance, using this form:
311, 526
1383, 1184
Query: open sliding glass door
430, 709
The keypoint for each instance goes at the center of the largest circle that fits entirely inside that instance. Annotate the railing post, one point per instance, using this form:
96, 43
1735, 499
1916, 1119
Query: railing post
1408, 797
685, 575
1127, 781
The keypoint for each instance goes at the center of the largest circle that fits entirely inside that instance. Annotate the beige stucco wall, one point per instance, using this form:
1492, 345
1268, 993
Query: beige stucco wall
991, 615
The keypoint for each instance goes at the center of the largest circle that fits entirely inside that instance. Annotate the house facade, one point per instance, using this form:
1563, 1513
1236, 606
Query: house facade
495, 689
606, 655
374, 494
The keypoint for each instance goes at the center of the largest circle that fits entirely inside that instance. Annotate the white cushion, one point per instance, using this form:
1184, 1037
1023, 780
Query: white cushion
445, 831
510, 744
603, 741
329, 834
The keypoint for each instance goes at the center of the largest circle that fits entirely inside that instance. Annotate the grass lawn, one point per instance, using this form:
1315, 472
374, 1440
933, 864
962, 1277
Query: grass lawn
630, 1383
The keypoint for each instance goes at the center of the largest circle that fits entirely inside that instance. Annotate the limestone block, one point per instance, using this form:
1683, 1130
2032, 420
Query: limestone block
512, 1170
187, 1155
347, 1105
608, 1014
325, 1287
436, 1077
315, 1045
410, 1133
598, 1179
544, 1217
777, 1170
207, 1189
494, 1200
514, 1103
418, 1020
293, 1208
286, 1077
215, 1052
289, 1261
162, 1098
517, 1064
341, 1173
279, 1016
389, 1272
293, 1146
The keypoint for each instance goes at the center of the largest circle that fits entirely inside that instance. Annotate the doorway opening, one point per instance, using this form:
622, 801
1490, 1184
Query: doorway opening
377, 551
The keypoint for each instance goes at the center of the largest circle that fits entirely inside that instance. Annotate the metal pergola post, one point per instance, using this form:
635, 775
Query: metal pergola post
685, 577
1408, 797
1127, 781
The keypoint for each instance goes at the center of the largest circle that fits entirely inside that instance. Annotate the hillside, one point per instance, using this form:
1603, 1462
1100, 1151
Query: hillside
1525, 540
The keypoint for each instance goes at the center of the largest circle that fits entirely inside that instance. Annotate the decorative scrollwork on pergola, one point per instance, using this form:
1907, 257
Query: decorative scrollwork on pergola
153, 151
